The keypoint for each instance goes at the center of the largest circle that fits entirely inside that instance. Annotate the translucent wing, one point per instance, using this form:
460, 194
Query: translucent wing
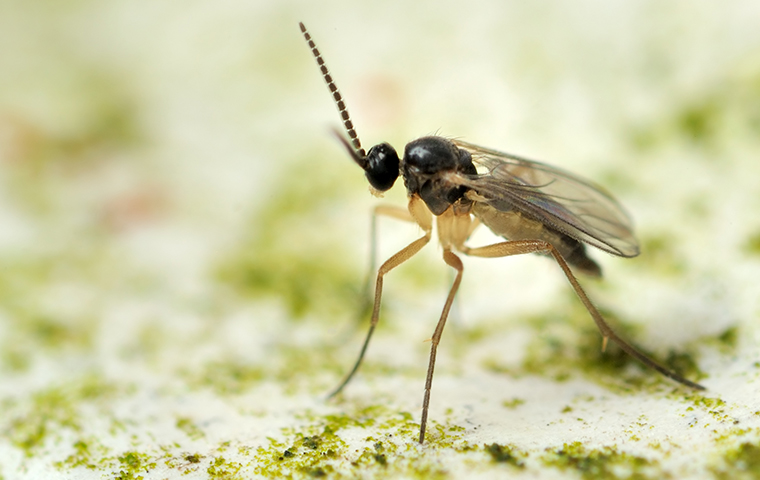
552, 196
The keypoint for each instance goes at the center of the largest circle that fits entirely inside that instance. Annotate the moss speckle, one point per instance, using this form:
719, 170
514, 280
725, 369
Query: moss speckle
660, 255
227, 377
606, 462
741, 462
570, 345
296, 367
713, 406
319, 448
513, 403
306, 454
86, 454
284, 255
728, 110
34, 327
726, 342
132, 466
52, 411
685, 364
506, 454
752, 244
568, 351
190, 428
699, 121
222, 468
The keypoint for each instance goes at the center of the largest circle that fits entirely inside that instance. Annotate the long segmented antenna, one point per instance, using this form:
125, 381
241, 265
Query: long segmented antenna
359, 151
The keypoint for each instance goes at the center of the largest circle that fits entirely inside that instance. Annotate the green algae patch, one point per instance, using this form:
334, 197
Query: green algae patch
568, 345
190, 428
294, 250
133, 465
305, 456
507, 454
33, 326
226, 377
700, 121
725, 342
139, 464
35, 332
566, 349
715, 407
313, 368
337, 446
604, 463
47, 414
751, 245
660, 255
295, 247
725, 112
741, 462
87, 453
684, 363
222, 468
513, 403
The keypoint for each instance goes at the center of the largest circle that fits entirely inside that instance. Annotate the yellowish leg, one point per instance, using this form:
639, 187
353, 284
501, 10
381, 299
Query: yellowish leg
519, 247
421, 215
389, 211
453, 261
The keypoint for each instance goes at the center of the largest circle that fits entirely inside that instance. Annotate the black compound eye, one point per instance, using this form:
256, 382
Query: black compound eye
382, 166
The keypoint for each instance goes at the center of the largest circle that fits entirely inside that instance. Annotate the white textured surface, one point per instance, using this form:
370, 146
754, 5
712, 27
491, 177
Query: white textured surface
142, 143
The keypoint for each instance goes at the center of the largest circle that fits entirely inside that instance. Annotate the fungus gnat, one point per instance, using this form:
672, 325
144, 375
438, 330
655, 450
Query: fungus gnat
535, 207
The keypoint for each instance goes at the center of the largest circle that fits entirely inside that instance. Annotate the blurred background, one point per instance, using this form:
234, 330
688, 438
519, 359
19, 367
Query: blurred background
184, 244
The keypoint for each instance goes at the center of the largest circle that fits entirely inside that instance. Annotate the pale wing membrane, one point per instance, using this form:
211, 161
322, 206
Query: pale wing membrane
554, 197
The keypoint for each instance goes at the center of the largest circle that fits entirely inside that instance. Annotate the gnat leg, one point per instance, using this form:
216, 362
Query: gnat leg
453, 261
423, 219
519, 247
385, 211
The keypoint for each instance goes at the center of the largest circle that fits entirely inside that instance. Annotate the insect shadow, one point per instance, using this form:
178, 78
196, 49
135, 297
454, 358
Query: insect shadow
536, 207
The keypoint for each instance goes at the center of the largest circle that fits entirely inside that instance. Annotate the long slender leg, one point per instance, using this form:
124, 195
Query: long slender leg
400, 257
472, 224
453, 261
422, 217
386, 211
520, 247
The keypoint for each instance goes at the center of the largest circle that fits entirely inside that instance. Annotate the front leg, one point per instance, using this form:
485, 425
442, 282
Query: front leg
389, 211
422, 216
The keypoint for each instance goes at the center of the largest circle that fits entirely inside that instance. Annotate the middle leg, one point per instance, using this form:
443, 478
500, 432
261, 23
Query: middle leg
455, 262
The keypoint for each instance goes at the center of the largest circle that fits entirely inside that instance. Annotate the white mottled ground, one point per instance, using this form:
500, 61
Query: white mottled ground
182, 242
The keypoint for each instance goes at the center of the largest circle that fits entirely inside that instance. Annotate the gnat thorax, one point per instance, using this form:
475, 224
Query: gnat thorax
427, 160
